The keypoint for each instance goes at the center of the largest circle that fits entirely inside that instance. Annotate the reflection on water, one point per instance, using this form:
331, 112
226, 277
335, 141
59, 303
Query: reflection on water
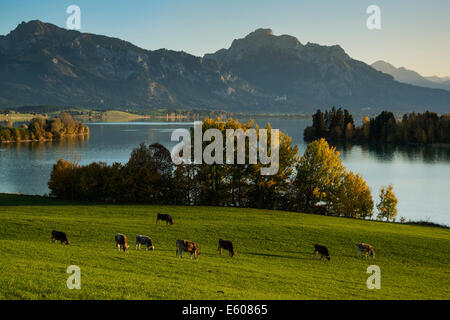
25, 167
420, 174
387, 153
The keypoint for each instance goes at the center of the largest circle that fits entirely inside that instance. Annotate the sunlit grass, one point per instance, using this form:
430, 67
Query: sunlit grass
274, 257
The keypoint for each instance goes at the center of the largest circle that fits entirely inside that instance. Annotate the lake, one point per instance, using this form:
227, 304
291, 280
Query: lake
420, 175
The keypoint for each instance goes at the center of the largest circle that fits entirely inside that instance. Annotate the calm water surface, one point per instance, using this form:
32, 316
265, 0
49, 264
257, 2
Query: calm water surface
420, 175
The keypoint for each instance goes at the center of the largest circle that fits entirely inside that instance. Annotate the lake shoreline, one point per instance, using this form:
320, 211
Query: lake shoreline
419, 174
47, 140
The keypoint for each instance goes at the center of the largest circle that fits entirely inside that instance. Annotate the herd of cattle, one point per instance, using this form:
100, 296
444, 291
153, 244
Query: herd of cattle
192, 247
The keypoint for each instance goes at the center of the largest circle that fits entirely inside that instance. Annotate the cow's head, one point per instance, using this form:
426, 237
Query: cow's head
171, 221
152, 248
67, 241
232, 253
329, 258
372, 253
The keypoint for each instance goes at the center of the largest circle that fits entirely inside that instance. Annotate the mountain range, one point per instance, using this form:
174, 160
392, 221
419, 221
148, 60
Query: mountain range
41, 63
412, 77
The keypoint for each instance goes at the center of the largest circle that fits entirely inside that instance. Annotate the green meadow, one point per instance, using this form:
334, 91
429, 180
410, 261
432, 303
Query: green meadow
274, 257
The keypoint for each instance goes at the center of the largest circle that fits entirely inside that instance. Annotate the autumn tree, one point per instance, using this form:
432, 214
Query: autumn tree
353, 198
270, 191
148, 174
37, 127
212, 179
56, 127
237, 181
319, 176
365, 129
68, 122
387, 207
64, 180
349, 131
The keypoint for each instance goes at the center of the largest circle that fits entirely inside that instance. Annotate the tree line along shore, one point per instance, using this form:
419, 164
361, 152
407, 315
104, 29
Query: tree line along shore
26, 113
317, 182
337, 125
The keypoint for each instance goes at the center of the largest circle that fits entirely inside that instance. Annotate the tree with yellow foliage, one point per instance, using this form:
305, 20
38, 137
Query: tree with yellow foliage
353, 198
387, 207
241, 184
319, 176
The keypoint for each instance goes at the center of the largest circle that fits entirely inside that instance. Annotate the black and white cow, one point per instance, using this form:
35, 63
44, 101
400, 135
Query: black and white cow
147, 241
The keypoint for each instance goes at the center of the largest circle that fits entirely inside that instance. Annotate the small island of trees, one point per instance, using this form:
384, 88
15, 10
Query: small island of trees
337, 125
41, 129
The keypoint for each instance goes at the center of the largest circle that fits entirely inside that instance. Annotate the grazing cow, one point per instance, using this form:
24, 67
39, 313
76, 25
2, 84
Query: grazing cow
121, 242
164, 217
323, 251
145, 241
226, 245
187, 246
367, 248
59, 236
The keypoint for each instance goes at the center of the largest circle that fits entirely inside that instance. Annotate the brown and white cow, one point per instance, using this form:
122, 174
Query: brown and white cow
367, 248
227, 245
147, 241
164, 217
187, 246
59, 236
121, 242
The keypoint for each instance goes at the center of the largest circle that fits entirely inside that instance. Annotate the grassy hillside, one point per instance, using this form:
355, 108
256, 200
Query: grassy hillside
274, 254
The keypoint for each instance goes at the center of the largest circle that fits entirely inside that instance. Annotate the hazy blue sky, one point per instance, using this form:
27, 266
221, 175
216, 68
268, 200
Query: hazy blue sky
414, 34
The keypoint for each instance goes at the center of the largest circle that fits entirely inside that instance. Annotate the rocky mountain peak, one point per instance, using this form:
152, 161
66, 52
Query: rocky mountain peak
265, 37
261, 32
255, 43
32, 28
